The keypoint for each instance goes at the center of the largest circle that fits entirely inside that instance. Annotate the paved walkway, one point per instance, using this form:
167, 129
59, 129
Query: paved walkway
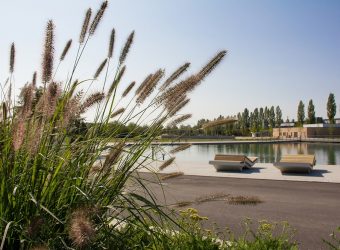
320, 173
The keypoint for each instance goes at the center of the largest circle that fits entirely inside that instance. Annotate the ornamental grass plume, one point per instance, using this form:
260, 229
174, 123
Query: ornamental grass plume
100, 69
51, 156
12, 58
150, 86
174, 76
91, 100
180, 119
128, 89
167, 163
81, 229
180, 148
126, 48
182, 103
85, 26
113, 157
34, 79
116, 81
47, 63
117, 112
143, 84
111, 44
98, 18
66, 49
171, 175
218, 123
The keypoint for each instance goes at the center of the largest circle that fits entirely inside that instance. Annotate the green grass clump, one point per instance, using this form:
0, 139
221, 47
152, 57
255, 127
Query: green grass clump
63, 182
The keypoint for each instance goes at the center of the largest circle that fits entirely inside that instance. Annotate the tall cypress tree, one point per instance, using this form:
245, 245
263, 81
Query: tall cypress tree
278, 119
331, 108
311, 112
301, 113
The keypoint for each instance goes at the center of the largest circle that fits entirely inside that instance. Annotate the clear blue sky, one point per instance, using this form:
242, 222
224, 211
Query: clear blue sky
280, 52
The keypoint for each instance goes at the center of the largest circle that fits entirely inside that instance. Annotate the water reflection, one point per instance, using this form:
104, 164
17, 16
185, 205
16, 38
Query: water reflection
325, 153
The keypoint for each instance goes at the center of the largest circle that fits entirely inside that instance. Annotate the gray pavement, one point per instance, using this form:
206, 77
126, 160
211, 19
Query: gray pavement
312, 208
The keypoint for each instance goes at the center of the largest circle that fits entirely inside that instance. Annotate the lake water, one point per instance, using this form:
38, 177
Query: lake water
325, 153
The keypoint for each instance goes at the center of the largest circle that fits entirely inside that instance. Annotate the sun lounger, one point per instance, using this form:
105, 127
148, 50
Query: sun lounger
296, 163
232, 162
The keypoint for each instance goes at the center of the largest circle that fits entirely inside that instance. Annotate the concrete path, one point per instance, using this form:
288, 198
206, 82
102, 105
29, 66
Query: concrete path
312, 208
265, 171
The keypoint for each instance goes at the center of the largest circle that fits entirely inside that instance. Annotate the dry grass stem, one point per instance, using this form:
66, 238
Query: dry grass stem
98, 18
126, 48
47, 64
180, 119
244, 200
12, 58
128, 89
118, 112
171, 175
212, 197
167, 163
111, 44
150, 86
66, 49
180, 148
100, 69
85, 26
183, 203
91, 100
218, 123
175, 75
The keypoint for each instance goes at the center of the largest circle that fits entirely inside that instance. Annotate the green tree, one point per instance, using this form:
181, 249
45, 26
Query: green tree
331, 108
272, 117
301, 113
311, 112
278, 119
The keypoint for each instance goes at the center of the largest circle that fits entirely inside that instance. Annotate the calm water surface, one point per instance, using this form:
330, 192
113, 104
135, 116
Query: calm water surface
325, 153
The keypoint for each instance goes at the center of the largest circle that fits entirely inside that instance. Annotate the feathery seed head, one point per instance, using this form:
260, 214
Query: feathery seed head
81, 229
66, 49
47, 64
126, 48
180, 119
128, 89
167, 163
143, 84
100, 69
175, 75
119, 111
34, 79
212, 64
91, 100
18, 134
181, 104
114, 154
150, 86
180, 148
116, 81
111, 45
98, 18
218, 123
85, 25
12, 58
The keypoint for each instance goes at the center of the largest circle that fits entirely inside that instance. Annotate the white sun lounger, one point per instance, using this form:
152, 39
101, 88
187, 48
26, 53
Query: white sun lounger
232, 162
296, 163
